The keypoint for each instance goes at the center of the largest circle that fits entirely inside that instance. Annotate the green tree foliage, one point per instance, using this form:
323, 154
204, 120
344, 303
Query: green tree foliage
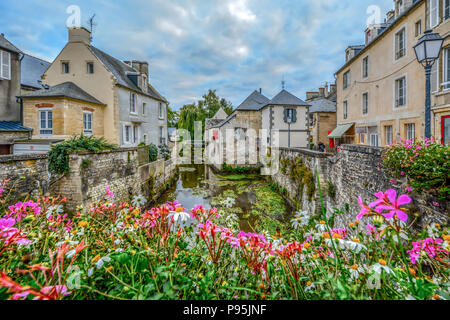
172, 117
202, 110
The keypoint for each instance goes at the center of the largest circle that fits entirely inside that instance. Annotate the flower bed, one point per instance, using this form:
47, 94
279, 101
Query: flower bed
121, 251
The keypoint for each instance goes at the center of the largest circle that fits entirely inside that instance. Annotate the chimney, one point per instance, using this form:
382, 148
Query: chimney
140, 66
321, 92
326, 90
80, 35
332, 88
389, 15
260, 90
311, 95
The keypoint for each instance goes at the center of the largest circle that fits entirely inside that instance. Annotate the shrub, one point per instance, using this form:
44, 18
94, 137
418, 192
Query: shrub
152, 152
164, 151
58, 157
425, 163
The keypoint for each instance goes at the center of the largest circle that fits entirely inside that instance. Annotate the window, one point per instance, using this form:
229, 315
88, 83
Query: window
389, 137
434, 13
65, 67
5, 65
365, 67
346, 79
90, 67
145, 138
135, 134
446, 9
127, 134
162, 139
46, 122
87, 123
365, 103
418, 28
410, 131
290, 116
446, 80
132, 102
400, 92
446, 130
144, 108
161, 111
400, 49
362, 137
345, 110
435, 76
374, 139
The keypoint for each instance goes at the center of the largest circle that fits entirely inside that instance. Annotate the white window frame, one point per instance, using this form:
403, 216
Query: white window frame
346, 80
162, 139
435, 68
63, 69
389, 139
365, 94
363, 136
446, 7
47, 111
395, 107
366, 58
418, 22
407, 129
144, 108
161, 111
145, 136
374, 137
135, 134
435, 11
2, 65
345, 109
446, 81
88, 132
130, 133
405, 42
133, 100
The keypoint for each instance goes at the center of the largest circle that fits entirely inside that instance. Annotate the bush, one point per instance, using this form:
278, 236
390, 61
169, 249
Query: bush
164, 151
58, 157
425, 163
152, 152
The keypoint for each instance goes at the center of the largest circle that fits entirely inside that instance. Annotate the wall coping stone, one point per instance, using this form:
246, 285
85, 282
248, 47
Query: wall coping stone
87, 152
308, 152
363, 149
23, 157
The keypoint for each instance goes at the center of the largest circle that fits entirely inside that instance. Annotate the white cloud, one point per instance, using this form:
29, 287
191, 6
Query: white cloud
239, 9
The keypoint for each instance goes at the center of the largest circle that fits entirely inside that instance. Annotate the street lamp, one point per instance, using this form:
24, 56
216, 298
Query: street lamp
427, 51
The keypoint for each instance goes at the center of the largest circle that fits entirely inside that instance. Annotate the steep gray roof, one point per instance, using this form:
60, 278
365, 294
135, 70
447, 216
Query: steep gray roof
31, 70
5, 44
220, 124
322, 105
285, 98
66, 89
254, 102
120, 69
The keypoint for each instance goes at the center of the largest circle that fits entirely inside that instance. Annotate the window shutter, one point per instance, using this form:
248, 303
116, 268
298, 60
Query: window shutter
286, 115
294, 115
5, 65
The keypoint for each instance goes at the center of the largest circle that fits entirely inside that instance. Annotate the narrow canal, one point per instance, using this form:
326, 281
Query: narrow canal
251, 198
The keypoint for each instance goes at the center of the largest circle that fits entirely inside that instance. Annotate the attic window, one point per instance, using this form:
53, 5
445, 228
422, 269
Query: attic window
65, 67
90, 67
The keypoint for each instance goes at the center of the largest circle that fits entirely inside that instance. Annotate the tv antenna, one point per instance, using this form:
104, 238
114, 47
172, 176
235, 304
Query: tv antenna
91, 24
283, 83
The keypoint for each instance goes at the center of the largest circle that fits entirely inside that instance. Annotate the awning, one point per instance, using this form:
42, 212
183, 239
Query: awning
340, 130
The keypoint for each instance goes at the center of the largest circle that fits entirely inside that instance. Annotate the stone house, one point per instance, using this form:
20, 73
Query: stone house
285, 114
101, 96
322, 114
11, 127
381, 86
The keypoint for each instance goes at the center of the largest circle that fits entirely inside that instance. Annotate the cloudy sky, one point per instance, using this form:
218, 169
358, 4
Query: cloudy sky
234, 46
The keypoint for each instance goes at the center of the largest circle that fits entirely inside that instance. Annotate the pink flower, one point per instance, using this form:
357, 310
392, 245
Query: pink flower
392, 181
109, 193
409, 189
364, 209
430, 247
436, 204
392, 204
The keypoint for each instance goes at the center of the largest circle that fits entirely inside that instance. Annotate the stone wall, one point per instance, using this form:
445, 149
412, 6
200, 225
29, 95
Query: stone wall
355, 171
28, 174
121, 170
126, 171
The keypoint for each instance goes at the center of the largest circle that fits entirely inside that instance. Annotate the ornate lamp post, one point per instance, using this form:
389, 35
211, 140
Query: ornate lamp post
427, 51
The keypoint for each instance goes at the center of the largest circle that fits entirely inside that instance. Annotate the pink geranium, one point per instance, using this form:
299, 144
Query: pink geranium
389, 202
430, 247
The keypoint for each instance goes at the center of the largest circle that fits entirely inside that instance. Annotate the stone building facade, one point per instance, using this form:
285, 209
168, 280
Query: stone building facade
381, 86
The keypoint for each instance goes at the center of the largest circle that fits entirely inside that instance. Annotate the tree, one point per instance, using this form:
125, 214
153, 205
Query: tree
172, 117
202, 110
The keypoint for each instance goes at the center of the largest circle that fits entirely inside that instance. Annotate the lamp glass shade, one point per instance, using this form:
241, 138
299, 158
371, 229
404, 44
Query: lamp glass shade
429, 47
420, 51
433, 49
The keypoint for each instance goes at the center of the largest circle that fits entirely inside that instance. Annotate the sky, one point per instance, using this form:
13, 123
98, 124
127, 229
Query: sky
233, 46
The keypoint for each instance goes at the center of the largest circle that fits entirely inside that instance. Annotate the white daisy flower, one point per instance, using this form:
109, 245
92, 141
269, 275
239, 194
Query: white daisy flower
378, 268
139, 201
229, 202
99, 264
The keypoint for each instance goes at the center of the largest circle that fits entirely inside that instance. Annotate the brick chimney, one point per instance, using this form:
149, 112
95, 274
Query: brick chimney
139, 66
322, 92
79, 35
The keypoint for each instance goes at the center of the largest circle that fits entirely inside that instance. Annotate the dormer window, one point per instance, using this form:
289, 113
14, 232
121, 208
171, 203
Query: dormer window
5, 65
65, 67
